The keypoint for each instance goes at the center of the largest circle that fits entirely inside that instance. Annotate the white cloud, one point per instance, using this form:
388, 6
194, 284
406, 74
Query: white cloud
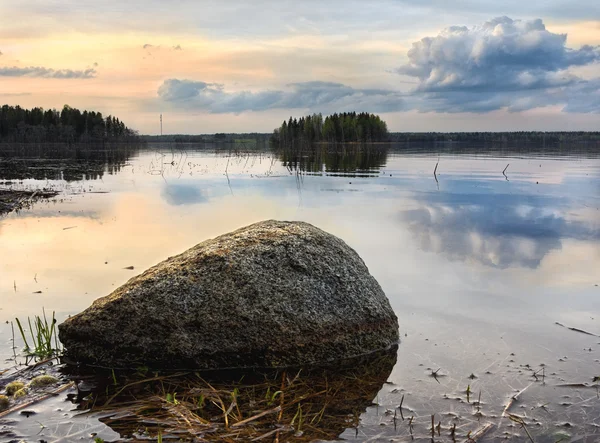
314, 96
38, 71
503, 63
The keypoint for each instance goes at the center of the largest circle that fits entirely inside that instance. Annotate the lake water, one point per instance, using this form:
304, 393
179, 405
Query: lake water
478, 264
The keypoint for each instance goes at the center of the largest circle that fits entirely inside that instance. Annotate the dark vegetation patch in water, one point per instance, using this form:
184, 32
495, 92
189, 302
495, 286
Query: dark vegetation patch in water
63, 162
45, 162
12, 200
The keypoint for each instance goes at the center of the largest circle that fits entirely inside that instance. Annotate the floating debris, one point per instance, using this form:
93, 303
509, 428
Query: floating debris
577, 330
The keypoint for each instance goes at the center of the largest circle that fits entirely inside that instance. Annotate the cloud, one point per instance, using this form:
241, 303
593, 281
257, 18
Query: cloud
498, 230
38, 71
314, 96
584, 97
509, 64
147, 46
15, 94
503, 53
503, 63
183, 194
177, 48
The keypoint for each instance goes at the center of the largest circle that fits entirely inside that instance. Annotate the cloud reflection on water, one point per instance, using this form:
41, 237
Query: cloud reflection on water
496, 229
183, 194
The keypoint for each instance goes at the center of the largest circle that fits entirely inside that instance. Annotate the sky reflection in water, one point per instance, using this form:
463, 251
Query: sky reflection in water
476, 270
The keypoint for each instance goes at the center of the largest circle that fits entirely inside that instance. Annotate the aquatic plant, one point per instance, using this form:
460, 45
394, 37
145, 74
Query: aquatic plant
3, 402
172, 398
42, 381
20, 393
14, 386
43, 333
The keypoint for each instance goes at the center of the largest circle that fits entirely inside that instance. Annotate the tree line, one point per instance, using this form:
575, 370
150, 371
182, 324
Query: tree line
533, 137
337, 128
70, 125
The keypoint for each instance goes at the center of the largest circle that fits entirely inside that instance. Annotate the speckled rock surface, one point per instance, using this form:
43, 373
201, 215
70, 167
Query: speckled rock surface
268, 295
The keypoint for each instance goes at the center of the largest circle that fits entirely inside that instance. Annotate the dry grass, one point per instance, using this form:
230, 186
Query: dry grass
292, 405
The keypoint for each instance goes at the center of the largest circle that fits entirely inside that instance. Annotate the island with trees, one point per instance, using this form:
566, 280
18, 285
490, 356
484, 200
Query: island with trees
68, 126
346, 127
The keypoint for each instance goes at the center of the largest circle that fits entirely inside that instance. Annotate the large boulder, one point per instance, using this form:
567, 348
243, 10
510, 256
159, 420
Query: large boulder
271, 294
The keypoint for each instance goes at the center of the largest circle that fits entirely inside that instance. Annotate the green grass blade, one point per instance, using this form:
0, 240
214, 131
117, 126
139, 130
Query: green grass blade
22, 334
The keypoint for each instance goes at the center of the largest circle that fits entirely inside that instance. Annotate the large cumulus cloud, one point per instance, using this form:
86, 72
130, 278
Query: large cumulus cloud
503, 63
39, 71
314, 96
500, 54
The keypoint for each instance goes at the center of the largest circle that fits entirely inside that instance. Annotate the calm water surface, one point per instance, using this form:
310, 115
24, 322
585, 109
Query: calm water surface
478, 266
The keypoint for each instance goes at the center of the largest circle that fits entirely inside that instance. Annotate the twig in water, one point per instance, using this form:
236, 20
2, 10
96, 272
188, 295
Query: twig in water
227, 175
268, 434
514, 398
255, 417
400, 407
12, 327
504, 172
472, 438
520, 421
537, 372
432, 426
577, 330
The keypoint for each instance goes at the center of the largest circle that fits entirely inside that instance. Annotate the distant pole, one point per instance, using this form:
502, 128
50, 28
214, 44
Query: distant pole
160, 124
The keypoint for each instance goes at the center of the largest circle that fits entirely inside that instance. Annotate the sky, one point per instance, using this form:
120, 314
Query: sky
239, 66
